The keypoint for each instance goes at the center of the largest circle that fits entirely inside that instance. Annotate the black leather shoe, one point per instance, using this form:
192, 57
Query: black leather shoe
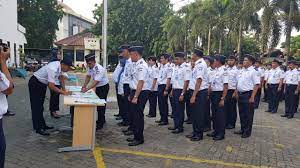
122, 124
117, 115
240, 132
290, 117
128, 133
48, 128
135, 143
172, 128
190, 136
284, 115
189, 122
158, 121
268, 111
230, 127
125, 130
9, 113
245, 135
150, 116
206, 129
177, 131
41, 132
99, 127
196, 138
212, 134
119, 118
163, 123
218, 137
130, 139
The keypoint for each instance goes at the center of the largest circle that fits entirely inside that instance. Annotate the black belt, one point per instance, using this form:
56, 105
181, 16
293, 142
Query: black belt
245, 92
291, 85
273, 84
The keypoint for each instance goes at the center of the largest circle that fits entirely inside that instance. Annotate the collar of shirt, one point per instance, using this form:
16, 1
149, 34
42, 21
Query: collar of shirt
198, 61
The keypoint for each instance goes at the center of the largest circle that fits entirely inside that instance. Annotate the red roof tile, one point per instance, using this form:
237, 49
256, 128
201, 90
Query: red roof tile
75, 40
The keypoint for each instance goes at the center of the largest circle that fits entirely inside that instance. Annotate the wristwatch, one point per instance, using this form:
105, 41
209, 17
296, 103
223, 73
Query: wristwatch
182, 94
222, 98
135, 96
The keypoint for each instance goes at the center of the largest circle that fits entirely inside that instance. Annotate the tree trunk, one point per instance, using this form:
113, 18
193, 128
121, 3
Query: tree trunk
208, 40
289, 30
240, 39
220, 45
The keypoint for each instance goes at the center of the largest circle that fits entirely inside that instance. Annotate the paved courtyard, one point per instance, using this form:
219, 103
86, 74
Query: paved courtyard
275, 143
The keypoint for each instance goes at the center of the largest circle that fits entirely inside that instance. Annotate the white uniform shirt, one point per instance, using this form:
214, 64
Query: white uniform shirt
199, 72
4, 84
292, 77
266, 74
261, 71
126, 75
210, 72
219, 78
232, 77
165, 72
247, 79
140, 72
49, 73
153, 74
116, 73
180, 75
98, 73
275, 75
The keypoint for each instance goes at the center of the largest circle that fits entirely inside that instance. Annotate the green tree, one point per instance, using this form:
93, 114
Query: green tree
135, 22
40, 18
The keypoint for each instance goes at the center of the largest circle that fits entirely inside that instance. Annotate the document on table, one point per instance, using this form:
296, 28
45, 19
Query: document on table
74, 88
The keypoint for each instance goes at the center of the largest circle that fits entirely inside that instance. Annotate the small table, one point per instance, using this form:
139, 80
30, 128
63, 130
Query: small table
84, 121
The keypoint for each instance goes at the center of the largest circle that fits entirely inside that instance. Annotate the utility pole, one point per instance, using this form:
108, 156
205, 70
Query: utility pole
104, 34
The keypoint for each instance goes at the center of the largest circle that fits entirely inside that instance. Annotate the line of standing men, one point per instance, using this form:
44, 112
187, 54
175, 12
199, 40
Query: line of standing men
204, 84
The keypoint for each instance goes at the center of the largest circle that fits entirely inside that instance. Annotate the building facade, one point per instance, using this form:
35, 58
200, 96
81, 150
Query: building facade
11, 32
72, 23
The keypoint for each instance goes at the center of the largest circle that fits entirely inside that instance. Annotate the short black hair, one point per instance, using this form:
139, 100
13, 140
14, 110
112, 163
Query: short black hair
232, 57
221, 59
166, 56
250, 58
152, 58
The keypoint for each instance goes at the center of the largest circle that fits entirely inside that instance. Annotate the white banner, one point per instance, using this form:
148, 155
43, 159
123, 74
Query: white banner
92, 43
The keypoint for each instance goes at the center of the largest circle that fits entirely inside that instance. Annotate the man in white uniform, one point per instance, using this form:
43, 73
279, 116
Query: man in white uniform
247, 86
230, 101
292, 87
6, 88
180, 82
100, 82
46, 76
275, 86
139, 94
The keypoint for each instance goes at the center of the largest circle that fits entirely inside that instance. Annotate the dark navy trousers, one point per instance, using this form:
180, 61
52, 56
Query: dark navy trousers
246, 112
230, 109
290, 100
197, 112
137, 111
153, 103
273, 97
218, 113
178, 113
163, 103
2, 145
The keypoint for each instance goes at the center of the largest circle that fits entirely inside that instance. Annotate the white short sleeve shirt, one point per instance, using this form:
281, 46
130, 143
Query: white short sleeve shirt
98, 73
247, 79
219, 78
49, 73
4, 84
